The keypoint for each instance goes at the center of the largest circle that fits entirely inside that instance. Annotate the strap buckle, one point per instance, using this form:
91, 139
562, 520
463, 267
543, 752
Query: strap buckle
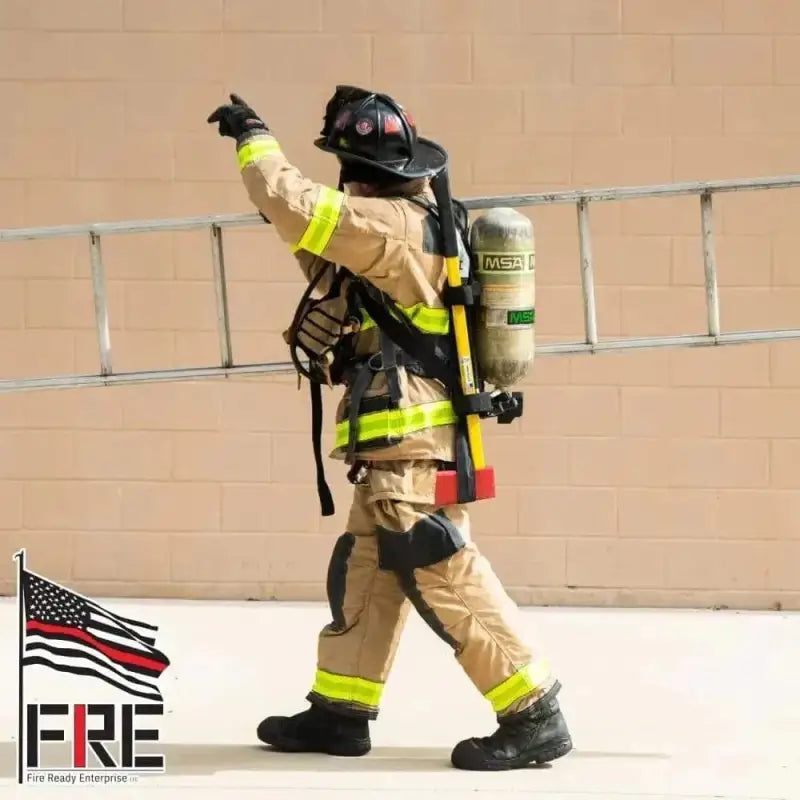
466, 294
507, 406
357, 474
502, 405
375, 362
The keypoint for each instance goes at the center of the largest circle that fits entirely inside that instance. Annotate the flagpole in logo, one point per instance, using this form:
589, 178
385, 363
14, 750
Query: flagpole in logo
69, 633
20, 558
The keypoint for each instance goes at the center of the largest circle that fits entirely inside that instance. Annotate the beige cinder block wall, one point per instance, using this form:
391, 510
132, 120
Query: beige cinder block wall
661, 477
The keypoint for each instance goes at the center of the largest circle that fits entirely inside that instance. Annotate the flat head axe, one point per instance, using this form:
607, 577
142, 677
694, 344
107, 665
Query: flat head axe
472, 479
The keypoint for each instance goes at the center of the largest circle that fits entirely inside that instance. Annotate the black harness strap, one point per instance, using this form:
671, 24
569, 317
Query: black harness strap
389, 353
401, 344
359, 378
323, 490
431, 351
363, 378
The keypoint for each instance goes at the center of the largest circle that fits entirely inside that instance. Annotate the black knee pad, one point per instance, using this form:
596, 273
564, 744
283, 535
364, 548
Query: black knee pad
432, 539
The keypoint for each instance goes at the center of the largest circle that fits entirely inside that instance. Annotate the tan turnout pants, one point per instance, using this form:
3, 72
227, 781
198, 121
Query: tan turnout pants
399, 551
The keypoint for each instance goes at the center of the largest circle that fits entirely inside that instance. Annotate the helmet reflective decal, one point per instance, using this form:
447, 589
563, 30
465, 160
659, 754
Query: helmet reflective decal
364, 126
391, 124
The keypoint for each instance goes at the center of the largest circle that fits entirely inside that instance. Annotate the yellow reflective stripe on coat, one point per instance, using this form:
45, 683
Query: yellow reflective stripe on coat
343, 687
427, 319
322, 225
397, 422
256, 149
527, 680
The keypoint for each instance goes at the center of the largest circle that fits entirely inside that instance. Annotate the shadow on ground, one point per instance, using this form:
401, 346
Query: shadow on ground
208, 759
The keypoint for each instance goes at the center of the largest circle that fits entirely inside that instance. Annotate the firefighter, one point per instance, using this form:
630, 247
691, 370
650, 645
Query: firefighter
395, 424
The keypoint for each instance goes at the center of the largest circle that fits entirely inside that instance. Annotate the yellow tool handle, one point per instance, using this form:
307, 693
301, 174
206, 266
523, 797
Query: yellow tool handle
465, 364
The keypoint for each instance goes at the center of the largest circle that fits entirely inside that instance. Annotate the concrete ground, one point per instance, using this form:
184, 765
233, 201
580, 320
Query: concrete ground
661, 704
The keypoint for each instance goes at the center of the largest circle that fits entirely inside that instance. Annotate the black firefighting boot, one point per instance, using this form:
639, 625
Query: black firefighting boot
537, 734
317, 730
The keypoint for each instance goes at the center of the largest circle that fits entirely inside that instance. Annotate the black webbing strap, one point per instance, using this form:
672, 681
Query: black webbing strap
465, 468
363, 378
401, 344
323, 490
421, 347
429, 352
389, 353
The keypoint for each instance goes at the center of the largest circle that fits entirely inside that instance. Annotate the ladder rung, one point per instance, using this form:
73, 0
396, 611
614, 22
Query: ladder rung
710, 264
100, 304
221, 292
587, 273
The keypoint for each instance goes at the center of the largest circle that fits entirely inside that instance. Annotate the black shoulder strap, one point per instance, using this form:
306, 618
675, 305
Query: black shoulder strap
462, 217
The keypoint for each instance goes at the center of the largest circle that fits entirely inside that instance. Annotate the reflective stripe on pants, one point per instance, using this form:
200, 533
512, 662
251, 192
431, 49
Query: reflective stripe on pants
527, 680
347, 689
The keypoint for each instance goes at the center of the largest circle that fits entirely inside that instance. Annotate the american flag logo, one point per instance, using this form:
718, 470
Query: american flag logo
70, 633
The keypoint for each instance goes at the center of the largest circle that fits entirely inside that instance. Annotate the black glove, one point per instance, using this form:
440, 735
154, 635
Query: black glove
237, 119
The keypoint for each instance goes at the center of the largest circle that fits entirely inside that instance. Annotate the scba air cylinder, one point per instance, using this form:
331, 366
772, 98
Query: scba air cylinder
502, 243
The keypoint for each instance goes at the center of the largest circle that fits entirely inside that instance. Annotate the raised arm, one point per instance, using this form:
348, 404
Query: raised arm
366, 235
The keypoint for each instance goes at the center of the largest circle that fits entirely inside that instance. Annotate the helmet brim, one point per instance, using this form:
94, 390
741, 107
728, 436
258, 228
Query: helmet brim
429, 159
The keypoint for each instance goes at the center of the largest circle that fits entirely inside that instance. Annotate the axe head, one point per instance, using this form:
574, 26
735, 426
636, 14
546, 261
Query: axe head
447, 487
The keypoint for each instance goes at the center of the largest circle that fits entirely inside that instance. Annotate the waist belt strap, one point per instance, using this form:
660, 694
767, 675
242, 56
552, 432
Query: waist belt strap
323, 490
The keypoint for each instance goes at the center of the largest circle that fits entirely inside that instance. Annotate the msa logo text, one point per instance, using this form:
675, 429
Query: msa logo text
507, 262
525, 317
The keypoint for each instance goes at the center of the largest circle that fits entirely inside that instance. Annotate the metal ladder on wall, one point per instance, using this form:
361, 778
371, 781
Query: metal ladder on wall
580, 199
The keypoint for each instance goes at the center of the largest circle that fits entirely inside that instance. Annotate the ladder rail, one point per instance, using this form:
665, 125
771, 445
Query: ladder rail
620, 193
580, 198
570, 197
548, 349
